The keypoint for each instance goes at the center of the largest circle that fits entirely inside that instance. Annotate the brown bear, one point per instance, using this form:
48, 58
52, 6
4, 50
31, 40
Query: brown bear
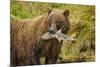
26, 44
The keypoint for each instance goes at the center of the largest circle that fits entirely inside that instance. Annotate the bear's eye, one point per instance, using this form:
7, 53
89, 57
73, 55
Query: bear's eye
59, 25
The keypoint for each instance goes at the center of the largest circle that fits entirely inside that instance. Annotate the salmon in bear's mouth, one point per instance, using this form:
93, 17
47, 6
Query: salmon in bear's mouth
58, 35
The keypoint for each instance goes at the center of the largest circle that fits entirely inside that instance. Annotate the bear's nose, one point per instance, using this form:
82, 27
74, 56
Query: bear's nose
52, 31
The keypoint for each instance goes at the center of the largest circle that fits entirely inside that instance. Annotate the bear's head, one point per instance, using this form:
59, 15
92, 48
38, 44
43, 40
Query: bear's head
58, 19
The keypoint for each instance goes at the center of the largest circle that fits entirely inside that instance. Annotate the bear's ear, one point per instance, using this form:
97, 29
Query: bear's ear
49, 10
66, 13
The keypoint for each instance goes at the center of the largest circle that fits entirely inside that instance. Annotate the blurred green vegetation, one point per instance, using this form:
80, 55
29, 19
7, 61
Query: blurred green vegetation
82, 21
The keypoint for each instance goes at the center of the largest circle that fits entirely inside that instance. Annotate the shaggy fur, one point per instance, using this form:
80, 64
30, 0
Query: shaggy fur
26, 44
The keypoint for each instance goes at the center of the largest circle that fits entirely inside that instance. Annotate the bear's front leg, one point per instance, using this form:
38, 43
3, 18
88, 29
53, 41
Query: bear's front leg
36, 60
50, 60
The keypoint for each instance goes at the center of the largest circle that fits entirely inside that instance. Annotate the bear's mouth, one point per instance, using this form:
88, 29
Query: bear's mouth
54, 33
58, 35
